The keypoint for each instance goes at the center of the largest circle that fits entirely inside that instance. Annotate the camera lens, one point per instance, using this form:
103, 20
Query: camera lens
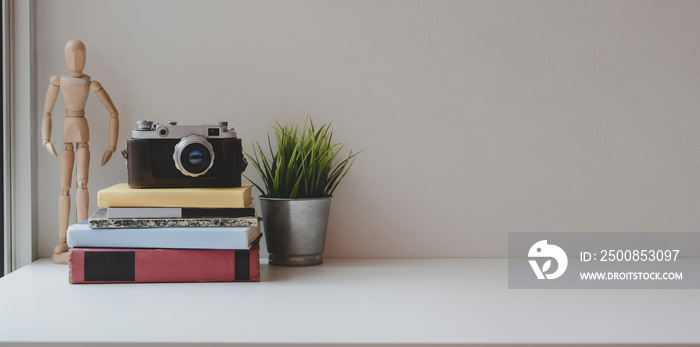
193, 155
195, 159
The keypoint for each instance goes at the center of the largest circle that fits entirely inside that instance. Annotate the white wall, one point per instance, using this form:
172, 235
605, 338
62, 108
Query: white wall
478, 118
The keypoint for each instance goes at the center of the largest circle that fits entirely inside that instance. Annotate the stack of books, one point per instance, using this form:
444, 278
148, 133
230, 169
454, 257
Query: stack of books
167, 235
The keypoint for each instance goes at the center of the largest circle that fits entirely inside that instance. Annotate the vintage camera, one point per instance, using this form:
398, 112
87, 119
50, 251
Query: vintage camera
177, 156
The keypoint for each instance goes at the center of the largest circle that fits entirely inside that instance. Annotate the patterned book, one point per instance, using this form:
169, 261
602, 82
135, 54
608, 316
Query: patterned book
99, 220
101, 265
120, 195
82, 236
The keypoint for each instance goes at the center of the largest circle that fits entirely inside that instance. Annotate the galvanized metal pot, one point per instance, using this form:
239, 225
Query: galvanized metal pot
295, 229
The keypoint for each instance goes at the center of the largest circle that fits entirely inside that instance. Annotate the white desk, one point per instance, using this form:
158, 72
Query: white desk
344, 301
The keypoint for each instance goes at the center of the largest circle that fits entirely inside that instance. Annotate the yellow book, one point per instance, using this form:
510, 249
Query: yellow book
120, 195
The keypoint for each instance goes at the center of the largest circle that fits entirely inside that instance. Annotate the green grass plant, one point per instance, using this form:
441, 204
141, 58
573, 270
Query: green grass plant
304, 163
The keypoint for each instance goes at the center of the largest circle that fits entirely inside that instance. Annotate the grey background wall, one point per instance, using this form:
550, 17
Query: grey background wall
478, 118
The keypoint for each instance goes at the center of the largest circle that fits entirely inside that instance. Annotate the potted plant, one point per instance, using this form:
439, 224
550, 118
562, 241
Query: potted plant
299, 175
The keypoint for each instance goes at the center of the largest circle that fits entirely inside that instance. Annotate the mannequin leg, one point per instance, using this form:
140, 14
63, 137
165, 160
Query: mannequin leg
82, 162
67, 159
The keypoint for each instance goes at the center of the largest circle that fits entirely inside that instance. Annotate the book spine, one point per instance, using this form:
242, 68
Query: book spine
163, 265
172, 212
122, 196
81, 236
144, 212
218, 212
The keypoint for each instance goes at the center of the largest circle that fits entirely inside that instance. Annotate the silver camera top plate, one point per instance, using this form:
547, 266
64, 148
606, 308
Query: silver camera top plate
148, 130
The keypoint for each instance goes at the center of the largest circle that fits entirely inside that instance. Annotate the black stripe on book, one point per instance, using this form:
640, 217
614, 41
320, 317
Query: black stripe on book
242, 270
217, 212
110, 266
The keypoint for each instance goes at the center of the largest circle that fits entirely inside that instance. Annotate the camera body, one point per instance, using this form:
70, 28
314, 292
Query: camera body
177, 156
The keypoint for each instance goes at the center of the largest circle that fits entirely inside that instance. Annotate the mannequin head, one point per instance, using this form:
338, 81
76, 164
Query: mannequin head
75, 57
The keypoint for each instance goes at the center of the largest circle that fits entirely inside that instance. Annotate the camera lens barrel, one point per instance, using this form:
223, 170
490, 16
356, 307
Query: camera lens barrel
193, 155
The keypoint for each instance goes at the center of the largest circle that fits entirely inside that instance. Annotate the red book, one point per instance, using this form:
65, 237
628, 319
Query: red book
113, 265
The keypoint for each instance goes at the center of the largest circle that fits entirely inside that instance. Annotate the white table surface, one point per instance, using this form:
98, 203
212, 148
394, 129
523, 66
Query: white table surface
344, 301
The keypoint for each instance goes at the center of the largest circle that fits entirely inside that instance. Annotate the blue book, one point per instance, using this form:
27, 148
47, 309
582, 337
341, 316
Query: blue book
81, 235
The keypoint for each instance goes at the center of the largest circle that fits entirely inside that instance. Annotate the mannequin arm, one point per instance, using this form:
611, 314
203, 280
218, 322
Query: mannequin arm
106, 101
51, 95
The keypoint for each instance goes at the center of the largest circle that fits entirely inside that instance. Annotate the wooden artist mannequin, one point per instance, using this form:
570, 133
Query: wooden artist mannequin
76, 87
